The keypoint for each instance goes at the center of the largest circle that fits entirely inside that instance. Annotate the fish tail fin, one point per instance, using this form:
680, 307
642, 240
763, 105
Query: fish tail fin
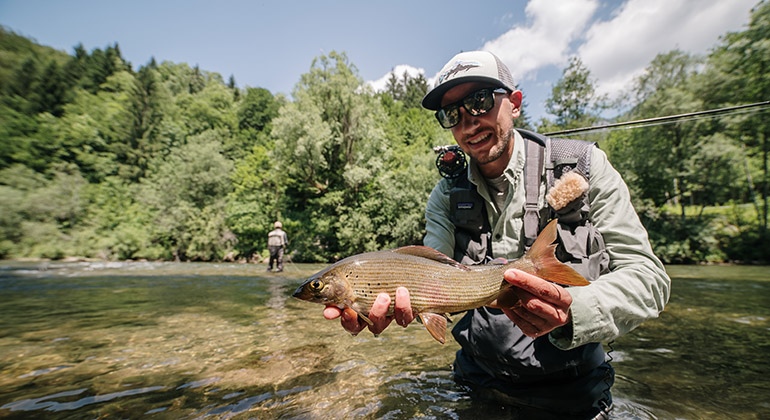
543, 257
435, 324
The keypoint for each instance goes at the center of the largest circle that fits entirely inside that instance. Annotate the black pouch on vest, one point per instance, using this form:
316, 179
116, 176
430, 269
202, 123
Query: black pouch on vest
472, 233
467, 209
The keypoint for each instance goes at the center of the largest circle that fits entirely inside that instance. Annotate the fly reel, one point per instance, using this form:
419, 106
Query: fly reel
451, 161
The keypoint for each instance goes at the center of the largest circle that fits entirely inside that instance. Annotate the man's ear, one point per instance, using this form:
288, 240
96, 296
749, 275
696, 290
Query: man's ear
516, 99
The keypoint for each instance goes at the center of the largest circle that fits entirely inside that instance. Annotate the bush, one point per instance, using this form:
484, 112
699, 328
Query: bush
682, 241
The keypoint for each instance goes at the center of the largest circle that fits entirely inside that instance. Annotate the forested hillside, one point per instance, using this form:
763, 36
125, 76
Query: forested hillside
101, 158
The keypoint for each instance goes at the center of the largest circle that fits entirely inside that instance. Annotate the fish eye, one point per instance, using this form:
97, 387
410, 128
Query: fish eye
316, 285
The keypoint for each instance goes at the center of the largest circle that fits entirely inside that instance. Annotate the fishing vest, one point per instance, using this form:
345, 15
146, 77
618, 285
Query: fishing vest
276, 238
488, 338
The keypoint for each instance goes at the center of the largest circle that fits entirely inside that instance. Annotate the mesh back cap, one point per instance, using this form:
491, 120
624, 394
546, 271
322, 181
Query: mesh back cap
472, 66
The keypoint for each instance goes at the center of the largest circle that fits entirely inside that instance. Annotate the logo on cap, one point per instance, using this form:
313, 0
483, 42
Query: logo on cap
457, 67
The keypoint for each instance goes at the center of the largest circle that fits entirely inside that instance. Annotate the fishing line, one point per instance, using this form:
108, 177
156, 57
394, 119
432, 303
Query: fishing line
670, 119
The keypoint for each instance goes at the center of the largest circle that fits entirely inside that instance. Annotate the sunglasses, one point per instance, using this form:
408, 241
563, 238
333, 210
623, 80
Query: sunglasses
477, 103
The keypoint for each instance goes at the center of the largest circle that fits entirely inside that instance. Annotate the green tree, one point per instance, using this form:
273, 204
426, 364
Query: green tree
255, 202
574, 101
95, 128
407, 89
17, 182
736, 75
185, 192
330, 146
657, 157
257, 109
148, 103
410, 174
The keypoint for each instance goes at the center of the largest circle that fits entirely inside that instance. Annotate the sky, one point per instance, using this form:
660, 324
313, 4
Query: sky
270, 44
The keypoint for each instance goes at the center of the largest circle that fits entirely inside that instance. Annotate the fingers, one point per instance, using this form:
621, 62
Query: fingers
541, 289
542, 306
531, 324
332, 312
507, 298
348, 318
403, 310
351, 322
378, 314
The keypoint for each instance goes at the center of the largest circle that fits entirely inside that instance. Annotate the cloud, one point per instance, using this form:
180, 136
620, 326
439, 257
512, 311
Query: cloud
615, 48
547, 37
619, 49
525, 49
380, 84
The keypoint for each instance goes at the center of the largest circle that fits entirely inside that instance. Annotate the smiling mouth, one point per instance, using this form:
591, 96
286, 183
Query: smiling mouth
479, 140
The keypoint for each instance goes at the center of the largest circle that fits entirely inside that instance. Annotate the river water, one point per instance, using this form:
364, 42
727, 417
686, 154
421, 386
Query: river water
184, 340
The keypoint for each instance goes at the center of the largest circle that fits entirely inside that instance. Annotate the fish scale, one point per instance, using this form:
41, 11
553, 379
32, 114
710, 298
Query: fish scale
432, 286
437, 284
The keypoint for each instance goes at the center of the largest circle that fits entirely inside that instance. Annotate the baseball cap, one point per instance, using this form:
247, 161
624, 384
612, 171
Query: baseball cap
472, 66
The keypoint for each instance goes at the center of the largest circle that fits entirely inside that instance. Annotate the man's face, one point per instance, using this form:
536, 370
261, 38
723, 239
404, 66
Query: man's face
487, 138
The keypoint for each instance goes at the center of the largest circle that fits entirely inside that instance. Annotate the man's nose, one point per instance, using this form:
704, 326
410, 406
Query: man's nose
466, 119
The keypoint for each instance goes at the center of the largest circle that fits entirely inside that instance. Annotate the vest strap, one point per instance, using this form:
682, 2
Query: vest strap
535, 153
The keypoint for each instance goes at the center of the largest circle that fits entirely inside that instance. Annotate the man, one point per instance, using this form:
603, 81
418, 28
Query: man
543, 355
276, 243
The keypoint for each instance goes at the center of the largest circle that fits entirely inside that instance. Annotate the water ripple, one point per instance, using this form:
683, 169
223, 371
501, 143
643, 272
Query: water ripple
44, 371
45, 403
246, 404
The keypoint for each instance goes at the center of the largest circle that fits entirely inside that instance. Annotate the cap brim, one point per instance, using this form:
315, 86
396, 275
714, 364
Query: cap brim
432, 100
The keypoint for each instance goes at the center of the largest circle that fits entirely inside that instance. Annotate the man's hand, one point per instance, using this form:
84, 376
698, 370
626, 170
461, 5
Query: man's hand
542, 306
377, 314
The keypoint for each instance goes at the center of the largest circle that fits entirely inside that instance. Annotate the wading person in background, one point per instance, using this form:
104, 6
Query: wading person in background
541, 356
276, 244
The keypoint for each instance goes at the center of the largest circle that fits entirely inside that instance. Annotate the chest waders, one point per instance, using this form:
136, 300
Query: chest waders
495, 353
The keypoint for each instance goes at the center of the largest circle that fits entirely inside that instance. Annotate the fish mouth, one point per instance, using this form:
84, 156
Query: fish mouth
301, 292
304, 291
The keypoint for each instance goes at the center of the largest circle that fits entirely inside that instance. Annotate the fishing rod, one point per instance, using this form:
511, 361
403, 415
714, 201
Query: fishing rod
668, 119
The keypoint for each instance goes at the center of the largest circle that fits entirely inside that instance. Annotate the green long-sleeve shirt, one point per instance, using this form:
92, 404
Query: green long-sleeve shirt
637, 287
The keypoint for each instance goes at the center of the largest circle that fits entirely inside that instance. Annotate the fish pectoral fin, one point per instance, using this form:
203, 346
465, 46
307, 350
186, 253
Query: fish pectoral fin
431, 254
351, 310
366, 319
435, 324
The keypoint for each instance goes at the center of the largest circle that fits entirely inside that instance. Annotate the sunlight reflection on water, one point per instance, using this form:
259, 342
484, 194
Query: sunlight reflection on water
227, 341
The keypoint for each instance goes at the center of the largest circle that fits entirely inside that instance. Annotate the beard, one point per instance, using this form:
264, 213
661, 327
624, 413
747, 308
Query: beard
498, 150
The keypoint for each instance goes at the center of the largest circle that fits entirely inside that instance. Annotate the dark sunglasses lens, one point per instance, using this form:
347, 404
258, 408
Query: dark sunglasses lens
448, 117
479, 102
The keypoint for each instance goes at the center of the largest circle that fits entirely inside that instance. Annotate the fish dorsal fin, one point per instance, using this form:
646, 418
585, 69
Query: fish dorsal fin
431, 254
498, 261
435, 324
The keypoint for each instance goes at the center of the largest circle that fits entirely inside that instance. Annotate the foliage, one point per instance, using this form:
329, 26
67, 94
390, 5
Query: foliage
574, 101
168, 161
336, 159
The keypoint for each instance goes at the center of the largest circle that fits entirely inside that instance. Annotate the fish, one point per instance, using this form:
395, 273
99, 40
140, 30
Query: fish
438, 285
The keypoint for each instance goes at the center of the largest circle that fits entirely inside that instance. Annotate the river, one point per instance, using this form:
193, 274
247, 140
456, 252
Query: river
188, 340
